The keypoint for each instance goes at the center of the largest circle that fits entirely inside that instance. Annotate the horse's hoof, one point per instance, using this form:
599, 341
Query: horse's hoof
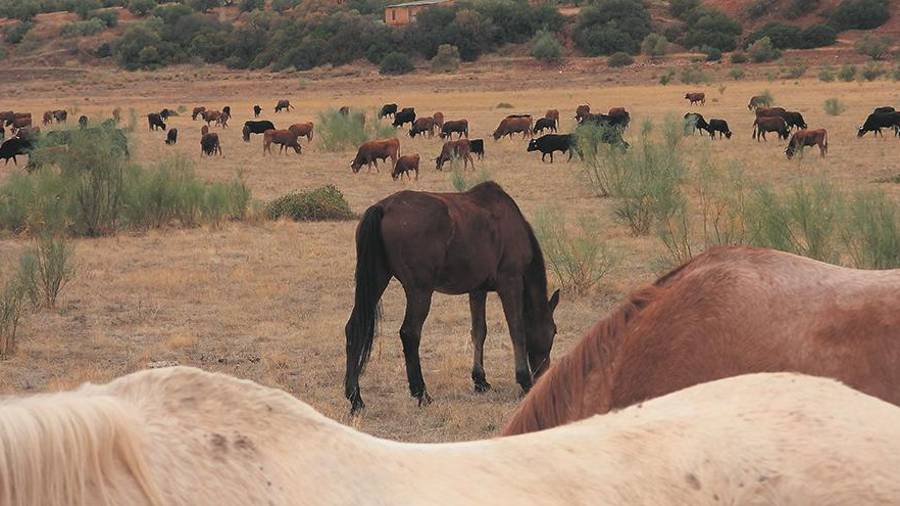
482, 386
424, 400
356, 406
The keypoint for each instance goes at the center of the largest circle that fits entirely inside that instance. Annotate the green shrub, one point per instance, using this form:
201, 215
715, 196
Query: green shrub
579, 260
339, 132
712, 54
654, 45
739, 57
759, 8
667, 77
396, 64
283, 5
895, 74
446, 59
251, 5
817, 36
619, 60
141, 7
871, 231
826, 74
83, 28
799, 8
847, 73
611, 26
763, 51
546, 48
461, 183
320, 204
14, 33
204, 5
505, 105
12, 303
859, 14
781, 35
874, 47
834, 107
872, 71
795, 71
710, 27
46, 269
736, 73
693, 75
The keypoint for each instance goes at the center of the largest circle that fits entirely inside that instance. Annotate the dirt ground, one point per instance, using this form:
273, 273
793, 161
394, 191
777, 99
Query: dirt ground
268, 301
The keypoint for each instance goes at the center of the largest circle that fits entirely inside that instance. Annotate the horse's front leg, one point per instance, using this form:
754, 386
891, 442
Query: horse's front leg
418, 303
479, 333
510, 290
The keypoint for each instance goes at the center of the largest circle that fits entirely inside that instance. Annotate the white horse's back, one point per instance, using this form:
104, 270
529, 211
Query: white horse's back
185, 437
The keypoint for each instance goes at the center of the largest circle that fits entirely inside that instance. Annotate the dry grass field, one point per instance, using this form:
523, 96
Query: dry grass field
268, 300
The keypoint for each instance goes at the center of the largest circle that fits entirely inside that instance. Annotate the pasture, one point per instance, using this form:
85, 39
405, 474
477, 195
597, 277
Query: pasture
268, 301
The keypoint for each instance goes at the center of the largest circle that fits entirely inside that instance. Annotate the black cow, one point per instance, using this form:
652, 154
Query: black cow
875, 122
718, 125
14, 147
83, 121
227, 110
256, 127
694, 121
794, 119
387, 110
605, 120
406, 115
209, 145
549, 143
165, 113
477, 146
257, 110
545, 124
155, 121
883, 110
172, 136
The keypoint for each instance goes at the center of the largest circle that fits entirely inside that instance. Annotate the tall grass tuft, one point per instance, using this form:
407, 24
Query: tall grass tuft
871, 231
579, 260
319, 204
461, 183
834, 107
46, 269
340, 132
12, 304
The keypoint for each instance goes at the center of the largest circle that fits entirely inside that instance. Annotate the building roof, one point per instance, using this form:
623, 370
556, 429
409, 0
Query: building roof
418, 2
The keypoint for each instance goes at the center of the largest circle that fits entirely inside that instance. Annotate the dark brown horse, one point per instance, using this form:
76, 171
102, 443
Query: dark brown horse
454, 243
729, 311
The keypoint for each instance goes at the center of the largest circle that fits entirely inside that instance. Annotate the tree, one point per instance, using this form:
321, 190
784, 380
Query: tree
709, 27
654, 45
817, 36
546, 48
611, 26
873, 46
860, 14
395, 64
251, 5
446, 59
141, 7
782, 36
763, 50
620, 60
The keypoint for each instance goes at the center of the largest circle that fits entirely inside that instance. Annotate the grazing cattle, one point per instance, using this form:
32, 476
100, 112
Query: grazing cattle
204, 130
620, 116
256, 127
198, 111
166, 113
764, 124
695, 98
406, 115
438, 120
209, 144
758, 101
581, 112
406, 164
83, 121
15, 146
172, 137
303, 130
48, 118
149, 438
876, 121
422, 126
554, 115
476, 146
222, 120
20, 122
60, 115
766, 112
804, 138
370, 152
603, 120
549, 143
283, 105
718, 125
227, 110
387, 110
794, 119
211, 117
513, 124
452, 150
155, 121
345, 110
459, 127
117, 115
6, 117
544, 124
2, 131
472, 243
882, 110
726, 312
284, 139
257, 110
694, 121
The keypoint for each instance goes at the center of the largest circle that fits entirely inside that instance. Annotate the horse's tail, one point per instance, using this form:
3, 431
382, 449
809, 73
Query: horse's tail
52, 447
825, 140
370, 264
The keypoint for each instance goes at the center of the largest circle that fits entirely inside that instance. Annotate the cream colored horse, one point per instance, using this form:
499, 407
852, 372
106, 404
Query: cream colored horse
182, 436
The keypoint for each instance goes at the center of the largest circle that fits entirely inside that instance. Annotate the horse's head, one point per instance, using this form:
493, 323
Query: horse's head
539, 334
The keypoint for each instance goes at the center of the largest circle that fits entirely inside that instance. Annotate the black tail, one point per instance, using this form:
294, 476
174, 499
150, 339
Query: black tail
370, 268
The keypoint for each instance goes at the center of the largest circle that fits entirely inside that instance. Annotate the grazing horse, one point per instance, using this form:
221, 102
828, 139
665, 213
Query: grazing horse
182, 436
804, 138
727, 312
454, 243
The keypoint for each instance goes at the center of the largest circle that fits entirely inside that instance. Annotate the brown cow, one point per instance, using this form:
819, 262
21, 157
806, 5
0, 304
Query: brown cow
769, 124
20, 122
283, 105
48, 118
459, 127
198, 111
6, 117
372, 151
770, 111
619, 116
209, 144
60, 115
303, 130
438, 119
211, 116
455, 149
804, 138
581, 112
204, 130
12, 118
284, 139
554, 115
345, 110
406, 164
696, 98
514, 124
422, 126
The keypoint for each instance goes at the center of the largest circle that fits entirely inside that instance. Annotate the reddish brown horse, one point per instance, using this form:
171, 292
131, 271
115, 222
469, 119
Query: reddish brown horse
474, 242
728, 312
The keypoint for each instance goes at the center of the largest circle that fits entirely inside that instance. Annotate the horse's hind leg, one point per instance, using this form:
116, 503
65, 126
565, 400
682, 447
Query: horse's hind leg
418, 303
479, 333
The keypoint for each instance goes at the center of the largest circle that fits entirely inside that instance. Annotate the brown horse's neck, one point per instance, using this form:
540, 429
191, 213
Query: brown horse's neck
536, 309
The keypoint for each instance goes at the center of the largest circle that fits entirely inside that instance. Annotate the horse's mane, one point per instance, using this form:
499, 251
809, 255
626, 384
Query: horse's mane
62, 449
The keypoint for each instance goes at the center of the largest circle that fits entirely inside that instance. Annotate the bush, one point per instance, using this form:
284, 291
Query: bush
739, 57
505, 105
693, 75
872, 71
109, 18
83, 28
339, 132
817, 36
12, 302
759, 8
667, 77
619, 60
461, 183
709, 27
895, 74
712, 54
834, 107
395, 64
320, 204
546, 48
654, 45
736, 73
252, 5
611, 26
579, 260
763, 51
871, 232
204, 5
799, 8
874, 47
795, 71
826, 74
446, 60
860, 14
13, 34
782, 36
141, 7
46, 269
847, 73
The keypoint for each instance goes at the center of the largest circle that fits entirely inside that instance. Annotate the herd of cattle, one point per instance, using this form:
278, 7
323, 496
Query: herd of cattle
614, 122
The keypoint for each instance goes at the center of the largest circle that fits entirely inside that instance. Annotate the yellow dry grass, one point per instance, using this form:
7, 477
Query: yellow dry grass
268, 301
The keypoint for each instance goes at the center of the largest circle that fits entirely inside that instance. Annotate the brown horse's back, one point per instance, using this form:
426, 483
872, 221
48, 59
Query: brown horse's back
728, 312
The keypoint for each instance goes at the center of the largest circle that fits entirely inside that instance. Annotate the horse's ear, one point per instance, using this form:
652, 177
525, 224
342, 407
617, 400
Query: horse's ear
554, 301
